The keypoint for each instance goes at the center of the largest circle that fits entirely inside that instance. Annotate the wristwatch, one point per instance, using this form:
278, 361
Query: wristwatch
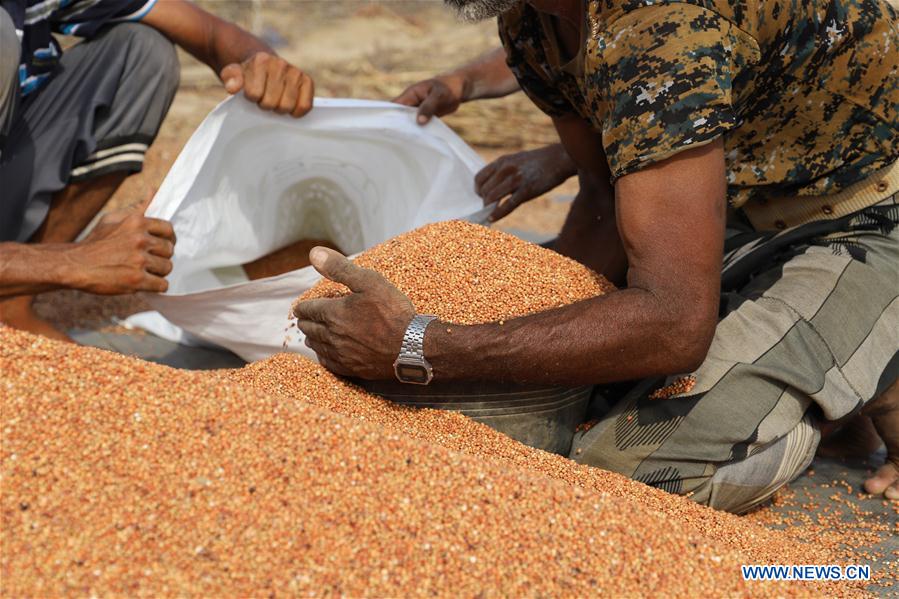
410, 366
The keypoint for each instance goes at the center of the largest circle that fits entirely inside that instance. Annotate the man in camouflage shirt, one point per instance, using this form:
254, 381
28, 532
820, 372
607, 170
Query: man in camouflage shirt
738, 179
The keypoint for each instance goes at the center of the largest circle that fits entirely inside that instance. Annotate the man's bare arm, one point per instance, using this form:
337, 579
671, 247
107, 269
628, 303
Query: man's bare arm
123, 254
671, 219
241, 60
488, 76
208, 38
30, 269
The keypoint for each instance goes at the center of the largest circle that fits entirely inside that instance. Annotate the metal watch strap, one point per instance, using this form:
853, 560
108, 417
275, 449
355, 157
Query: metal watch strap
414, 339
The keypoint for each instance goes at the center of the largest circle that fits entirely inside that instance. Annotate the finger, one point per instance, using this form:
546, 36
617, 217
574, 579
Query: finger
322, 351
499, 187
336, 267
159, 246
484, 175
892, 492
885, 477
274, 83
316, 310
160, 228
333, 366
428, 107
314, 331
412, 96
254, 72
307, 95
153, 283
232, 77
293, 80
505, 208
158, 266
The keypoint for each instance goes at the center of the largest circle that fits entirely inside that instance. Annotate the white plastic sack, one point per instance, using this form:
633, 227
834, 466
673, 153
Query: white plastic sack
250, 182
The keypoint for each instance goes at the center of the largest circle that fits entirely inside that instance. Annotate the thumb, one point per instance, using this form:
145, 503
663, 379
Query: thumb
232, 78
409, 97
428, 108
336, 267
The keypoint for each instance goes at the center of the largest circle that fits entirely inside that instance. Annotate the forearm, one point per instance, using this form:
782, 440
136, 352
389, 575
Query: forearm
29, 269
208, 38
231, 44
621, 336
566, 165
671, 224
488, 76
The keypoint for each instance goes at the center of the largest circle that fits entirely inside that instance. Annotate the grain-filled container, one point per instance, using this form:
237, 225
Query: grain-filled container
542, 417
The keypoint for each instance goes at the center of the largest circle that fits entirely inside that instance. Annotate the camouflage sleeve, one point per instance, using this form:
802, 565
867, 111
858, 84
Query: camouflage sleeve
526, 59
667, 73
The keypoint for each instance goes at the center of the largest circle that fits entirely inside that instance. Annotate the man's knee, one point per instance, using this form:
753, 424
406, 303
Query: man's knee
740, 486
683, 446
151, 56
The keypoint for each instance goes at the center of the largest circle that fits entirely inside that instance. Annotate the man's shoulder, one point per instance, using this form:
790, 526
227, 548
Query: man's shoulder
743, 13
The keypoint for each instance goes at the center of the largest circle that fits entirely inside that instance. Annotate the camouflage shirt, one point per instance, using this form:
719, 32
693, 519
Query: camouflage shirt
806, 94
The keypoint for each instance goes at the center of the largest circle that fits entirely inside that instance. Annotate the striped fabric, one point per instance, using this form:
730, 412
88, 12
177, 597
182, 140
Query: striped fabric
37, 20
115, 157
808, 332
96, 115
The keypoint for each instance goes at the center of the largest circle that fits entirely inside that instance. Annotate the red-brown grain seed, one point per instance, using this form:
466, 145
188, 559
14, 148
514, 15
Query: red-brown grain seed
281, 479
679, 386
437, 265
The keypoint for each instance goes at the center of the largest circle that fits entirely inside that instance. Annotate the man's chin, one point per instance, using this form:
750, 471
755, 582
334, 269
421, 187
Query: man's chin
475, 11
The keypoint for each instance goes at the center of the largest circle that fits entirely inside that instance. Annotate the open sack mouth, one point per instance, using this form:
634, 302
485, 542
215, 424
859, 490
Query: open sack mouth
252, 193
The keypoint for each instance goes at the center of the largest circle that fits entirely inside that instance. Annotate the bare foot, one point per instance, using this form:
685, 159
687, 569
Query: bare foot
856, 439
884, 413
17, 313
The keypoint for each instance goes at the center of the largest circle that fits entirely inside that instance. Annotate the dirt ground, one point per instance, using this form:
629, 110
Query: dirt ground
370, 50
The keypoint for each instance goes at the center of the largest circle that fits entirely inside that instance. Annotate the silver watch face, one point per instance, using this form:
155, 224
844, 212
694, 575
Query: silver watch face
414, 373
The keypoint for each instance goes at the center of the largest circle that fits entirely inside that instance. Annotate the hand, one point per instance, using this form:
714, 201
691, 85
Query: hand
434, 97
359, 335
124, 254
522, 177
884, 413
272, 83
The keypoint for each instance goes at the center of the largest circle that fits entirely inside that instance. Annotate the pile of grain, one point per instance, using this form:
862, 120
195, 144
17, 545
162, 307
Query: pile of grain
123, 477
469, 274
292, 376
